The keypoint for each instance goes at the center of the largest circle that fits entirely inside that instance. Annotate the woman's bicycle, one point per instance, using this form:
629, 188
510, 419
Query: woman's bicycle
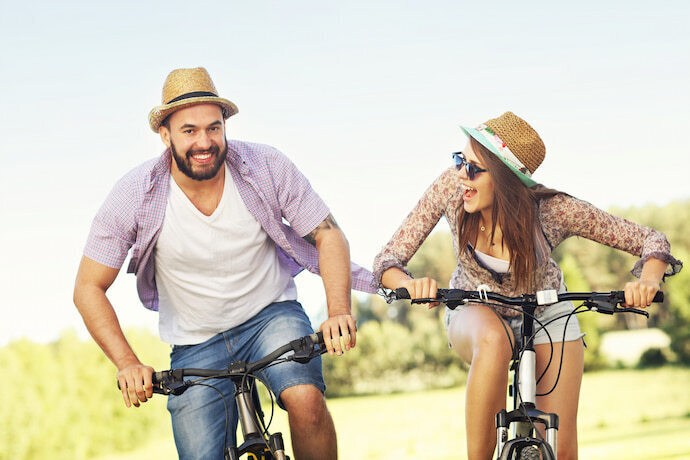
258, 443
526, 440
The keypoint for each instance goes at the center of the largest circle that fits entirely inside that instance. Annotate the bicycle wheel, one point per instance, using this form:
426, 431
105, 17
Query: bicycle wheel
530, 453
526, 448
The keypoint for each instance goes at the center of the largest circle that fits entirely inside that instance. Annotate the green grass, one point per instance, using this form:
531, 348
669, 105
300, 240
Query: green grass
642, 414
625, 414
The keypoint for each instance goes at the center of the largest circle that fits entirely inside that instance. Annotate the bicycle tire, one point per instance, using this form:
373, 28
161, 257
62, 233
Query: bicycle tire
522, 448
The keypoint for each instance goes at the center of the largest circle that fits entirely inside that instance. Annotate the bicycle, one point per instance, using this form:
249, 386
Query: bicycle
258, 443
526, 439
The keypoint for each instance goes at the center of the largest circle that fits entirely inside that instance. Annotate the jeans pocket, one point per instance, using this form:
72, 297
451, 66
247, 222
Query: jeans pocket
176, 349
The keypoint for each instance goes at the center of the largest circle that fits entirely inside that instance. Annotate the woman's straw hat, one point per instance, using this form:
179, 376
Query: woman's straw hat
185, 87
514, 141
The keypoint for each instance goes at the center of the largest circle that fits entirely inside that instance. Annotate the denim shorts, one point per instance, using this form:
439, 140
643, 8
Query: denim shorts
199, 414
555, 318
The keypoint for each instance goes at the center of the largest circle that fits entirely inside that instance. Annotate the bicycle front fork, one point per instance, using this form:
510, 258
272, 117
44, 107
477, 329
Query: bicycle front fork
256, 449
524, 418
255, 445
525, 414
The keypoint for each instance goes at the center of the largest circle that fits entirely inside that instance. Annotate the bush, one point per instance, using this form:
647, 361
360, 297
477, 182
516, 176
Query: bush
680, 342
389, 357
67, 405
652, 357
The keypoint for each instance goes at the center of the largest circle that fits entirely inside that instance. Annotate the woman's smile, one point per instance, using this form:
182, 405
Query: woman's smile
468, 192
477, 193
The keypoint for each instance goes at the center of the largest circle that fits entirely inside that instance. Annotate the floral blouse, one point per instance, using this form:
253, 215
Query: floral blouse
560, 216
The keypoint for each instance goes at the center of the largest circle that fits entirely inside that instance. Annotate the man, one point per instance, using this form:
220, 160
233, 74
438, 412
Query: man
212, 252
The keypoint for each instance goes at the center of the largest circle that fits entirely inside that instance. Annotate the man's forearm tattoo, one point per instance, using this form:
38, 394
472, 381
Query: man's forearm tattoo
328, 223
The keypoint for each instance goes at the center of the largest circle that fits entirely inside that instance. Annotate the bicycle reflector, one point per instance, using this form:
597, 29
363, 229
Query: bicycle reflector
547, 297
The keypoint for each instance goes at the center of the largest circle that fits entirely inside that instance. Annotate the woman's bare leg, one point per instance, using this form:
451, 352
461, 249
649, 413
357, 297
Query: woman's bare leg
564, 398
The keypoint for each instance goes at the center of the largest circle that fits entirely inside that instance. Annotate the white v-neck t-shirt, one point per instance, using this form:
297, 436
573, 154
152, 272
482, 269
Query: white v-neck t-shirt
214, 272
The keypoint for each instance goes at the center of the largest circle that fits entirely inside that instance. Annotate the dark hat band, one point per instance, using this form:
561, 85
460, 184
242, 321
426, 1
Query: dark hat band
191, 95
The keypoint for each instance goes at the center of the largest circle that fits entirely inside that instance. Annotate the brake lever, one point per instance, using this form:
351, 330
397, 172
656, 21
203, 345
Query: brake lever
609, 308
632, 310
424, 300
305, 356
175, 388
170, 382
171, 385
601, 306
305, 350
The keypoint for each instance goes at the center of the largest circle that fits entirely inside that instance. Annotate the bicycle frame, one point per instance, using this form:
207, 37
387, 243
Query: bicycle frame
524, 394
523, 391
248, 411
258, 443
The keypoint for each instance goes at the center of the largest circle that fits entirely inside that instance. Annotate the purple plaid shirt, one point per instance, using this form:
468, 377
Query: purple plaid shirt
270, 185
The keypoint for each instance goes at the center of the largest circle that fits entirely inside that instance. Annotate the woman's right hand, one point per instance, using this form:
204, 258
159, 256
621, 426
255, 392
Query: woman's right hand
421, 288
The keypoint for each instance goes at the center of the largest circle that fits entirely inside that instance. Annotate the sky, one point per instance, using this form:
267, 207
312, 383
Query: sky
365, 97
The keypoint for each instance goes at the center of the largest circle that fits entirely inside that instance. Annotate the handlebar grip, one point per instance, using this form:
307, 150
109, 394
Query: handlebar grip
401, 293
620, 296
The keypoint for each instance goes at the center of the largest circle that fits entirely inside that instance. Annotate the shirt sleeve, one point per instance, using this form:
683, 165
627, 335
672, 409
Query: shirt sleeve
417, 225
301, 206
568, 216
113, 230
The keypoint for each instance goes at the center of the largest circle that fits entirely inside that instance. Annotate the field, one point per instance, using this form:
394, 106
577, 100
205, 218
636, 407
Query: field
624, 414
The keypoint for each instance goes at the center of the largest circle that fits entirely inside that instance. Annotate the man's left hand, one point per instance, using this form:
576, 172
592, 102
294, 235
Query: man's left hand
337, 327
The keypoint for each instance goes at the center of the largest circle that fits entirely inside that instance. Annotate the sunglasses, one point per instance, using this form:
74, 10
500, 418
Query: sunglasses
470, 169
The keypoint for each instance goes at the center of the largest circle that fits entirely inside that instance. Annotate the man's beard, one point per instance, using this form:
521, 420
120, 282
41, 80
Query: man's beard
184, 163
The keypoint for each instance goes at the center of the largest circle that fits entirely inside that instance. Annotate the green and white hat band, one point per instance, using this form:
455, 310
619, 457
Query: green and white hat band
491, 141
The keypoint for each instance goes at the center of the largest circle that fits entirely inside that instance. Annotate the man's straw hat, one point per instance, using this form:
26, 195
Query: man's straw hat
185, 87
514, 141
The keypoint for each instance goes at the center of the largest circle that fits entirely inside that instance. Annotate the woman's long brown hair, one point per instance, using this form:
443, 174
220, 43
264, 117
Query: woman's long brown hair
514, 211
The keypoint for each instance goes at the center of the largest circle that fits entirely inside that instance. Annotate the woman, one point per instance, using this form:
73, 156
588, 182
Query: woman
504, 226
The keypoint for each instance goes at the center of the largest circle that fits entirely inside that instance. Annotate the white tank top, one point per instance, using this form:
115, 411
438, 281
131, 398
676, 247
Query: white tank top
494, 263
214, 272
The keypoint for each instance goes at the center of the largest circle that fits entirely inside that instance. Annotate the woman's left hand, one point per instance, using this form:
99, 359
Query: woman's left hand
640, 293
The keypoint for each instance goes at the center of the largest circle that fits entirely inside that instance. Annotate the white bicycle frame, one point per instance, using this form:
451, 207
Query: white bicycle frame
524, 394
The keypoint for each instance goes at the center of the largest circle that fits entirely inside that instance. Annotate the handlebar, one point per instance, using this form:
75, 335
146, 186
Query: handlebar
602, 302
304, 349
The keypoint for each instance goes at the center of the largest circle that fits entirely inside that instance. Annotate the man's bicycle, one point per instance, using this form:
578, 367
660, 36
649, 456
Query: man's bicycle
258, 443
526, 440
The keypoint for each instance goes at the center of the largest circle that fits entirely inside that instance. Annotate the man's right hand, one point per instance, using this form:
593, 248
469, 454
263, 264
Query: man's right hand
135, 383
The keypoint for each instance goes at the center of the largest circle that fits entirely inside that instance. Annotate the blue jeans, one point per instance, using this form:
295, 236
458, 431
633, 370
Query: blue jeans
199, 414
